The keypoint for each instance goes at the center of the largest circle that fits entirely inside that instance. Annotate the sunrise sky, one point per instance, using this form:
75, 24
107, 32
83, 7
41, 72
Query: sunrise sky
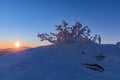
22, 20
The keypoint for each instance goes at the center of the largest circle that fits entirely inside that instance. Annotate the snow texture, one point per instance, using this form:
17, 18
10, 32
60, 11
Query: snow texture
62, 62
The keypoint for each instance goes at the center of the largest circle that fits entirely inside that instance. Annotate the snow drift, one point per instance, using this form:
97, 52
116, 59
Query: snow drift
77, 61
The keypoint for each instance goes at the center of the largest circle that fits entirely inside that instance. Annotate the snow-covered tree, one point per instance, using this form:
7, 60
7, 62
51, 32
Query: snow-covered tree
67, 34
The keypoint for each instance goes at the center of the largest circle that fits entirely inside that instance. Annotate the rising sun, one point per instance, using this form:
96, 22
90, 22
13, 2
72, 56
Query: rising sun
17, 44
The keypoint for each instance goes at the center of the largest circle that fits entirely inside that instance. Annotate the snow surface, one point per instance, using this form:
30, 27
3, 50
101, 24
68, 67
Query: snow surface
61, 62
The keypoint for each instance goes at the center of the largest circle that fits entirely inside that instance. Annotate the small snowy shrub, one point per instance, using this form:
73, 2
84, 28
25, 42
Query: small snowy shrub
67, 34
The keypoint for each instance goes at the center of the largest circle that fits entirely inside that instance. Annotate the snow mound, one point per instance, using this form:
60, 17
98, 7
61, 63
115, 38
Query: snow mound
77, 61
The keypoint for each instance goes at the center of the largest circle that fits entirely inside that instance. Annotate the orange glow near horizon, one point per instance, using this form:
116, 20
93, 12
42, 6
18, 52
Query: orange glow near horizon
22, 44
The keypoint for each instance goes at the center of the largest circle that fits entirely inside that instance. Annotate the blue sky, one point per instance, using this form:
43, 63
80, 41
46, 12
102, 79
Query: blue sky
23, 19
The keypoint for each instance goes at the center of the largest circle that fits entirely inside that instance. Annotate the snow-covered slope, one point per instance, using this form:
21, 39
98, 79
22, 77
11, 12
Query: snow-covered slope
77, 61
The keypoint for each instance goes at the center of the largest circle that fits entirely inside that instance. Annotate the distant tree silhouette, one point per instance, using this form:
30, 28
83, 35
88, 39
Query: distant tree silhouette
67, 34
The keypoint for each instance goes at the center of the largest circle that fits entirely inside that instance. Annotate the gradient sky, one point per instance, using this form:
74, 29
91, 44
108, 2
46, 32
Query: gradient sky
22, 20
